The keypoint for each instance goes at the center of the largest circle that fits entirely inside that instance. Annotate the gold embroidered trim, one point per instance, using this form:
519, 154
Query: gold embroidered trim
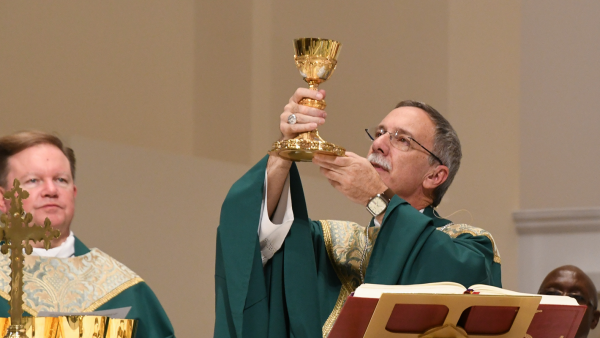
340, 301
74, 284
345, 243
94, 305
329, 245
335, 313
455, 230
25, 307
113, 294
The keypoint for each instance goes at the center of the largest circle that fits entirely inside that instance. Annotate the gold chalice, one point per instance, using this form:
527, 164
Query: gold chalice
316, 60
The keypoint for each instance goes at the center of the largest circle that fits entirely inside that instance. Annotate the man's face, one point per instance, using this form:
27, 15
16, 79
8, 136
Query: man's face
44, 171
408, 168
574, 283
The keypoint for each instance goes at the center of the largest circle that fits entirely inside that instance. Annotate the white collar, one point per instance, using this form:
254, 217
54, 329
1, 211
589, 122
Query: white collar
65, 250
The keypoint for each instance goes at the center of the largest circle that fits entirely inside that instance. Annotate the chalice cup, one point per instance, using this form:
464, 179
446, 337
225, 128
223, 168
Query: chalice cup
316, 60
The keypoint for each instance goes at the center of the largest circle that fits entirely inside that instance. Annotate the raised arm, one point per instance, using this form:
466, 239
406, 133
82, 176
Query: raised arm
307, 119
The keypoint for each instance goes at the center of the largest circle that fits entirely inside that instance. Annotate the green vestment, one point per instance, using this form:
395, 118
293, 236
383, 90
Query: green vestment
297, 291
145, 307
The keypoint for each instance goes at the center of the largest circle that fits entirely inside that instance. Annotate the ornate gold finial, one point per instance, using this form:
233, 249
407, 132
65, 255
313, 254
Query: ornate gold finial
16, 235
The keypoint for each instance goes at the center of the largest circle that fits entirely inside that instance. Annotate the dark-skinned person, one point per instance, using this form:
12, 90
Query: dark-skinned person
569, 280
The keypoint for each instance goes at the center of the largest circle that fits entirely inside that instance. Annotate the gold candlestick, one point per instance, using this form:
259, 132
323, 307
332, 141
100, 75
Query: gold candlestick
316, 60
16, 234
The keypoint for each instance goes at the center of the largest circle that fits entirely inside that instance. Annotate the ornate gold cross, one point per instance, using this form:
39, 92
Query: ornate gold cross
16, 234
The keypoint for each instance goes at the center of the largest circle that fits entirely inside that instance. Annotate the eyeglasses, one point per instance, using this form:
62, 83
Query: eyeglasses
397, 140
578, 297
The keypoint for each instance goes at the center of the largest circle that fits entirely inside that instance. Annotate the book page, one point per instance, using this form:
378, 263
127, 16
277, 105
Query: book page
546, 299
376, 290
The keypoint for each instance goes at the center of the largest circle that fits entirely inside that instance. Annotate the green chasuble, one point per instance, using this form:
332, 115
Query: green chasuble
301, 289
90, 281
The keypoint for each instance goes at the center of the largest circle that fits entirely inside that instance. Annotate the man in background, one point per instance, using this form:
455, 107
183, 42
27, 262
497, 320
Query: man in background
69, 277
569, 280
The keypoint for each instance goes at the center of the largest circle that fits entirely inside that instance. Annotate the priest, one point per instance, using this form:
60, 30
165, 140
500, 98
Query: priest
70, 277
280, 274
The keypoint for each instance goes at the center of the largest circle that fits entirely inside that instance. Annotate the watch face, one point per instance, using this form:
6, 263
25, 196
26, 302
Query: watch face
377, 205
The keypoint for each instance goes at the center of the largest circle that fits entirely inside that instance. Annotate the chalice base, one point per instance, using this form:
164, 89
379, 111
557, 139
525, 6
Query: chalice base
303, 147
16, 331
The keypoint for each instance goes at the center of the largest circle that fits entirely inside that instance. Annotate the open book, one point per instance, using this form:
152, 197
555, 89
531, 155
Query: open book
450, 288
428, 306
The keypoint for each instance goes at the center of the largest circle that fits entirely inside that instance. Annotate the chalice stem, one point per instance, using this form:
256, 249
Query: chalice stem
311, 136
319, 104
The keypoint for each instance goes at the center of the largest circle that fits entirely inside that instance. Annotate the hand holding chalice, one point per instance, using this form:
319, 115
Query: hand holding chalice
316, 60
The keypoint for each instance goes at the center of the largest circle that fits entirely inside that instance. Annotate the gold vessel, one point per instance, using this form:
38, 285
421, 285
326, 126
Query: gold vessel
316, 60
74, 327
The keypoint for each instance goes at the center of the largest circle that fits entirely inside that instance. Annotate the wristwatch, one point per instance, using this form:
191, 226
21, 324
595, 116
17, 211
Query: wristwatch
378, 204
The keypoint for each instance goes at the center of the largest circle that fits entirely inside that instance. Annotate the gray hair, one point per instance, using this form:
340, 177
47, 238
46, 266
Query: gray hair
446, 146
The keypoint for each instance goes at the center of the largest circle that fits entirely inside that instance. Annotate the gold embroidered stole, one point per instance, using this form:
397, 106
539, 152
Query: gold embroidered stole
75, 284
455, 230
345, 243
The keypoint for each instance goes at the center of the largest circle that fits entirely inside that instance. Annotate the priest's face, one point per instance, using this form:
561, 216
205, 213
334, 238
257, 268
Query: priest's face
405, 170
571, 281
44, 171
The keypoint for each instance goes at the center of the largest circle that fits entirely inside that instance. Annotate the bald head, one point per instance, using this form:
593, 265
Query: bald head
569, 280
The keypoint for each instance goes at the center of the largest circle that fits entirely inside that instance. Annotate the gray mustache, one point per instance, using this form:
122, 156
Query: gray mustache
380, 160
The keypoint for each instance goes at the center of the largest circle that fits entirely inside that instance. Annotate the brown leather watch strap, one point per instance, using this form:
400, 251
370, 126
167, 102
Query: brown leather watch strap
388, 194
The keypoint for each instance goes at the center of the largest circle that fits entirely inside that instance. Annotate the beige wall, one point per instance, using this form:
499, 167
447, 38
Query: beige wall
172, 101
110, 70
483, 105
560, 78
560, 111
